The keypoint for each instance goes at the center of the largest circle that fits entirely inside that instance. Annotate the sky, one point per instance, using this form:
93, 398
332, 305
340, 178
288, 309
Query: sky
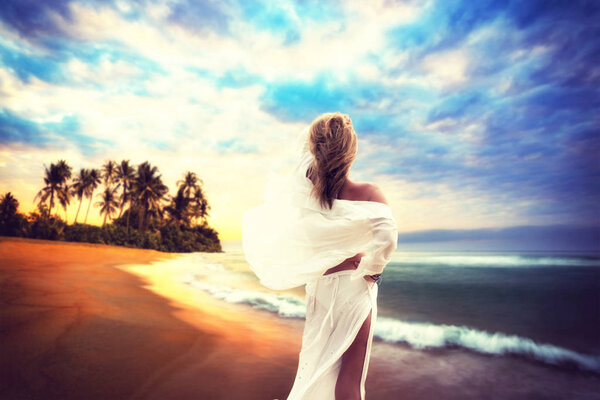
470, 115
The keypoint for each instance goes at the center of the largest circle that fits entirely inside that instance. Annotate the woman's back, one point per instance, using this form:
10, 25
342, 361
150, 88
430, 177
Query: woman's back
356, 191
361, 191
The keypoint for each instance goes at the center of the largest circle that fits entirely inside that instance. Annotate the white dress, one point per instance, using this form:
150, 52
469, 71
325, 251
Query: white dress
290, 241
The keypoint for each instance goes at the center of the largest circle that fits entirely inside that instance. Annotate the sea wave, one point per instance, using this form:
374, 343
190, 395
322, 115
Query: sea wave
494, 260
418, 335
425, 335
284, 305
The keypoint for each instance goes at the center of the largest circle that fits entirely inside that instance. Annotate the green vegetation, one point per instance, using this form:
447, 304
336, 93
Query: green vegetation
137, 194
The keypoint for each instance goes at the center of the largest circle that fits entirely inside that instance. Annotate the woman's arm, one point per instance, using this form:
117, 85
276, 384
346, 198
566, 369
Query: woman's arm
385, 239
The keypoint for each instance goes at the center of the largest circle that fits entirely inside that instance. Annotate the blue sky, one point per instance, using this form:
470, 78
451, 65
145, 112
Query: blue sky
470, 115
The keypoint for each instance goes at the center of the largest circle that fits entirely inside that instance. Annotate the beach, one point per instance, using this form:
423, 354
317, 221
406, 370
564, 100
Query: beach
75, 327
83, 321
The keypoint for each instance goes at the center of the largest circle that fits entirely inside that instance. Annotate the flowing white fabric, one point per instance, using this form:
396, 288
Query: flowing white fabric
290, 240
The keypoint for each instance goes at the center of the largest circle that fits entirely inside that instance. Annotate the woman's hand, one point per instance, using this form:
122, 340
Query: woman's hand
356, 259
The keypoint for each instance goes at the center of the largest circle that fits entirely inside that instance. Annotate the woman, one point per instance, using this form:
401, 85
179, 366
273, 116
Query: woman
318, 228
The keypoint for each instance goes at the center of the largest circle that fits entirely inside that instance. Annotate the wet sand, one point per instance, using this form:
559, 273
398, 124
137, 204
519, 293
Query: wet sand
82, 321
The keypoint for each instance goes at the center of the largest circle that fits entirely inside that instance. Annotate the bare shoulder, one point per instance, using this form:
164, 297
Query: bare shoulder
363, 191
376, 194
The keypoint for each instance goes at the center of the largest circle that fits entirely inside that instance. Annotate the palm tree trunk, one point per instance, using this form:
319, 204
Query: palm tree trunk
122, 202
128, 214
76, 215
66, 217
141, 219
104, 222
88, 209
51, 204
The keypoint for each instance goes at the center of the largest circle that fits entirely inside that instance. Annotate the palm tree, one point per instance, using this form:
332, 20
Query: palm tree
8, 204
200, 205
179, 209
196, 204
148, 193
92, 184
64, 198
64, 195
125, 176
79, 187
55, 178
108, 203
11, 223
109, 172
189, 184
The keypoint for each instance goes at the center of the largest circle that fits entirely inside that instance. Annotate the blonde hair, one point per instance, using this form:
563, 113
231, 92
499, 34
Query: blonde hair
333, 142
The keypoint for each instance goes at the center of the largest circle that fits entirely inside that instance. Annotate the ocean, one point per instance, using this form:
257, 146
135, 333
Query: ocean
543, 307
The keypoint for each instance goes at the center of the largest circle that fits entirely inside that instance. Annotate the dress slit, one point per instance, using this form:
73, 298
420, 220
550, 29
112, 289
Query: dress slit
365, 365
324, 344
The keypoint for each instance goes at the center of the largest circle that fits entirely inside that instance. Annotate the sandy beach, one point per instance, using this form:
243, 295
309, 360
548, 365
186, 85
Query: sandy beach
75, 327
82, 321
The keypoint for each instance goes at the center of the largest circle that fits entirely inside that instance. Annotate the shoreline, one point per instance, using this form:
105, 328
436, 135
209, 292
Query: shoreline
104, 322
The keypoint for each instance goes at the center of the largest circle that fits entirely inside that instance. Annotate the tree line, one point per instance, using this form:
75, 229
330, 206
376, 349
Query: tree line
133, 200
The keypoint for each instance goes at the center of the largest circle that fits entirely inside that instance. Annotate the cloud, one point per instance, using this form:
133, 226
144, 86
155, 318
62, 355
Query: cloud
65, 132
275, 18
199, 16
27, 65
469, 114
299, 100
447, 68
34, 18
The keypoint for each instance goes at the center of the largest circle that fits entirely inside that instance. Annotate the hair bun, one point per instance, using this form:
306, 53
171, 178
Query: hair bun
336, 124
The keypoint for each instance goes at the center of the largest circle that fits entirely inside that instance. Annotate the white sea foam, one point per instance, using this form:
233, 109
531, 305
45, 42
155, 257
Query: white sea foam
491, 260
415, 334
424, 335
282, 304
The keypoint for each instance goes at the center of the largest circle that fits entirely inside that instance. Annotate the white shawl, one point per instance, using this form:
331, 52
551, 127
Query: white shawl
290, 239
